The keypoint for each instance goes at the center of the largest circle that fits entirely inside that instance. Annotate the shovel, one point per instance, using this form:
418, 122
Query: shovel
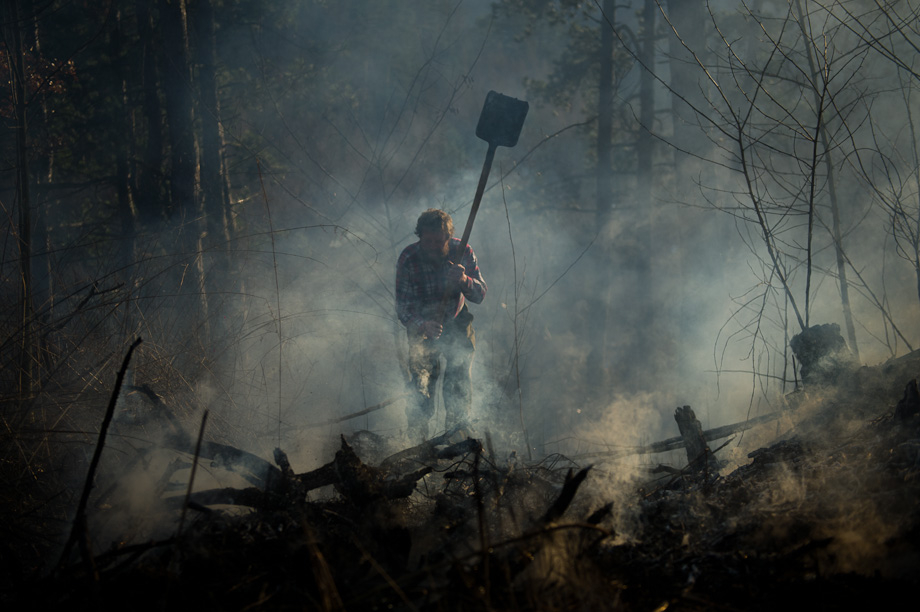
500, 124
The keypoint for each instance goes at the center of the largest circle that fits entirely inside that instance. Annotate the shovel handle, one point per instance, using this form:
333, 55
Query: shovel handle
480, 189
464, 241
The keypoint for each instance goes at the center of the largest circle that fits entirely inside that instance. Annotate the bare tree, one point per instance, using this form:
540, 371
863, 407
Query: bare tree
788, 118
891, 166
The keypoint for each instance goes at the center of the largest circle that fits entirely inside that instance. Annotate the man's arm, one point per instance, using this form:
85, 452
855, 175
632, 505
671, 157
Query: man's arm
474, 286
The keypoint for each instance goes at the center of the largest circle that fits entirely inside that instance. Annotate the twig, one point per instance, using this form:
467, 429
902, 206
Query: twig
271, 234
483, 532
191, 478
354, 415
517, 338
79, 524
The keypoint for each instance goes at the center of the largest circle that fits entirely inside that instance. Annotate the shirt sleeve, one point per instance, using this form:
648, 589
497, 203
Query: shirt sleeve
475, 289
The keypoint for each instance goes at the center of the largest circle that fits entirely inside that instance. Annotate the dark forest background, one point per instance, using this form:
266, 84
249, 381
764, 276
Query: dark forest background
232, 180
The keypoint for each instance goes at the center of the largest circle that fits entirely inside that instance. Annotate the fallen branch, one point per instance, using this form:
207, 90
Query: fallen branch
257, 469
572, 482
426, 451
677, 442
699, 457
351, 477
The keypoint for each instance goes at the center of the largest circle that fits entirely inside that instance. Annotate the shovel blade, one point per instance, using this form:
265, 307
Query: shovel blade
501, 119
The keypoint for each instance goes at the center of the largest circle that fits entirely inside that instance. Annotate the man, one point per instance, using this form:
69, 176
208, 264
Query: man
434, 281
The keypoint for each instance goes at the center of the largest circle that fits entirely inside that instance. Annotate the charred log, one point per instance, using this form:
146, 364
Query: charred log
572, 482
426, 451
823, 354
253, 468
363, 484
250, 496
700, 458
359, 483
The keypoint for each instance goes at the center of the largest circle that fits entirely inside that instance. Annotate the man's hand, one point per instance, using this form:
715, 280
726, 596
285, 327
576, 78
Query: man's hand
431, 329
457, 274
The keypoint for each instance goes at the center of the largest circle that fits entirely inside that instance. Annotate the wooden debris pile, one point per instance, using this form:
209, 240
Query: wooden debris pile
438, 525
810, 521
827, 515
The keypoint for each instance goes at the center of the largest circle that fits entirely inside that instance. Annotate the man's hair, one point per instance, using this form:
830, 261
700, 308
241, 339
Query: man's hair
434, 220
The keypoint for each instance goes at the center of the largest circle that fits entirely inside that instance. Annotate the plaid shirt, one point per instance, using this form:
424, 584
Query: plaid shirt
420, 285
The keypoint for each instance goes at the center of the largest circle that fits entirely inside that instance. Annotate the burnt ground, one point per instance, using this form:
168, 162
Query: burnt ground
823, 514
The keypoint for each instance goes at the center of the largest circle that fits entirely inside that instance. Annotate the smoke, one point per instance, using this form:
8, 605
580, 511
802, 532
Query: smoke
592, 330
683, 293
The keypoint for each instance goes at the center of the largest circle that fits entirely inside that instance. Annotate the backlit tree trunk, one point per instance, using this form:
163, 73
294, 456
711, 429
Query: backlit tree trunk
24, 220
214, 187
185, 207
215, 196
177, 94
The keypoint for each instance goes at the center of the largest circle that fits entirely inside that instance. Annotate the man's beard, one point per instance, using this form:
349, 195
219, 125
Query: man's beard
438, 256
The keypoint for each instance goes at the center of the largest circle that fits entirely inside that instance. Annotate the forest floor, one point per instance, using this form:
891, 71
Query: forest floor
824, 513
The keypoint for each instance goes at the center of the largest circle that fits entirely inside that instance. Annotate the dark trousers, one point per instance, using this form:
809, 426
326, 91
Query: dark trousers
457, 345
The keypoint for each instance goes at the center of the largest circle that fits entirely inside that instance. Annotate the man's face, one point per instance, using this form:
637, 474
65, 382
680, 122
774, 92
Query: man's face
434, 245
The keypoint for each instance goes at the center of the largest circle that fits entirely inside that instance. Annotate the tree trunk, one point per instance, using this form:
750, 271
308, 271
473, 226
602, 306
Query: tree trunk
40, 176
838, 249
184, 206
699, 458
645, 142
688, 18
598, 367
645, 306
177, 94
149, 195
122, 171
825, 155
26, 378
915, 144
215, 248
214, 188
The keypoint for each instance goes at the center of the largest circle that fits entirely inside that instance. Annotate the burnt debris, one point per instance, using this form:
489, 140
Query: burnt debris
818, 515
823, 354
